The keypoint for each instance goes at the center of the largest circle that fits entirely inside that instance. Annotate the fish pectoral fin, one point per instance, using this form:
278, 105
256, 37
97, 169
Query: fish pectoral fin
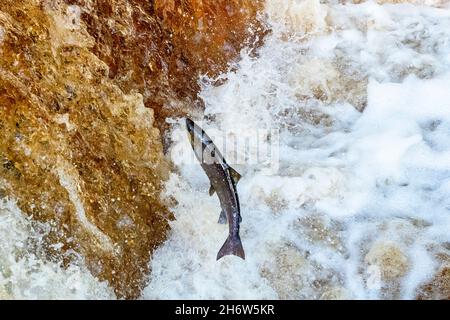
211, 190
236, 175
222, 218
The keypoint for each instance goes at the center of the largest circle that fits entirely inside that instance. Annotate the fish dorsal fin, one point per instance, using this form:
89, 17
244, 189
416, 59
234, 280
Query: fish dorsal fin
235, 175
211, 190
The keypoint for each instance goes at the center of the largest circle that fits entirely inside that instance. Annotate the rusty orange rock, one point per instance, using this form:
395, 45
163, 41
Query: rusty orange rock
160, 47
84, 87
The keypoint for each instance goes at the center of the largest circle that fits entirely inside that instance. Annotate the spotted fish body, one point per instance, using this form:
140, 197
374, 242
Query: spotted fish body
223, 181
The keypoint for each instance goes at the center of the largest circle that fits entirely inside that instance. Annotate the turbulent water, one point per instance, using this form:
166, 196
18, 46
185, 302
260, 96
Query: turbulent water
25, 273
359, 204
353, 200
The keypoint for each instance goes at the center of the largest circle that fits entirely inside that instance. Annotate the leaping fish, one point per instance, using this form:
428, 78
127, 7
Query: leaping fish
223, 180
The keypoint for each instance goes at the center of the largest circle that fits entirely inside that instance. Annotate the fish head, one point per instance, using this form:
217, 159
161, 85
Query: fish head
196, 134
190, 125
201, 143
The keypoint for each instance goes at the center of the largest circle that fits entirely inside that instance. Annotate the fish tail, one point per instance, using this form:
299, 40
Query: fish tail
232, 246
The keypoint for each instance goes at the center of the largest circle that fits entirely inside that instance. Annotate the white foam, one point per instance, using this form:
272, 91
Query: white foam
346, 181
25, 273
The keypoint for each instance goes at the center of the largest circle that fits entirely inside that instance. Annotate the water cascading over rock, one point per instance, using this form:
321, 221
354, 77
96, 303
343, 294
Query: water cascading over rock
85, 88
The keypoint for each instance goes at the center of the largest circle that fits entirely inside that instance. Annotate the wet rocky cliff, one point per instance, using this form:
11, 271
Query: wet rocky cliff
85, 89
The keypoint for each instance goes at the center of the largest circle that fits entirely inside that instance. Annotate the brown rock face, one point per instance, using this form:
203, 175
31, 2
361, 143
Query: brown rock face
80, 81
160, 47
